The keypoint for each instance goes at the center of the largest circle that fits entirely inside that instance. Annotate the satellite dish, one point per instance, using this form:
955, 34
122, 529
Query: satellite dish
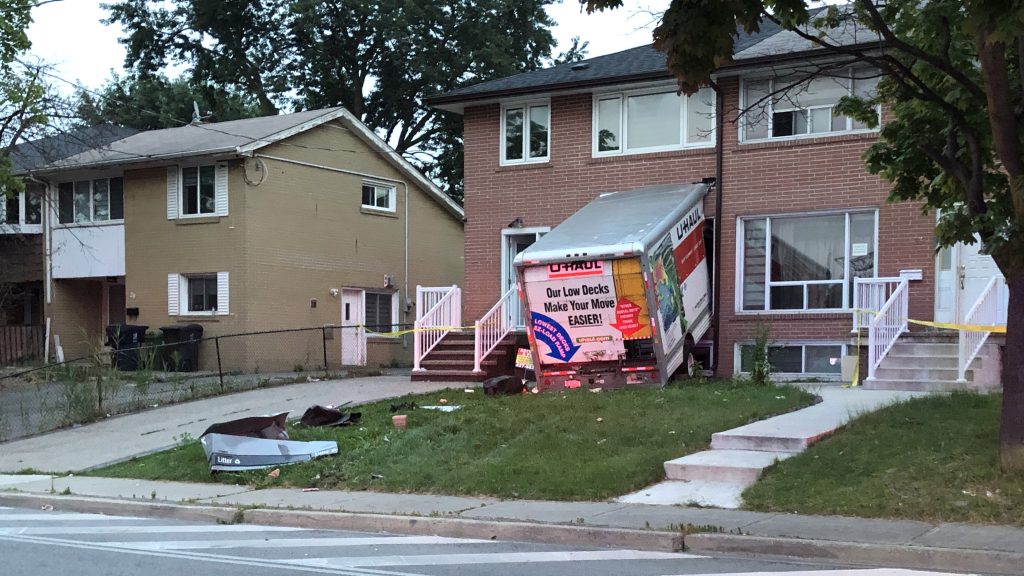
254, 171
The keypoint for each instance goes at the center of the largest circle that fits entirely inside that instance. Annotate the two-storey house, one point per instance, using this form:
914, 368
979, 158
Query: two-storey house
290, 221
794, 222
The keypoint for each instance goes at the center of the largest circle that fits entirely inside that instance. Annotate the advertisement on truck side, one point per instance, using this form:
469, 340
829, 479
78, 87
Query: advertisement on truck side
585, 311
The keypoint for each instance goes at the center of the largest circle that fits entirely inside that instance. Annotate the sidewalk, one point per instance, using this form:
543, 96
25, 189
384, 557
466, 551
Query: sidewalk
123, 437
893, 543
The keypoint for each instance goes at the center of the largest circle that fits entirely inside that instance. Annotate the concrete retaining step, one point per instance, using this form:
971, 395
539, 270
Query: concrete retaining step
922, 371
695, 493
448, 376
892, 360
924, 349
734, 466
919, 385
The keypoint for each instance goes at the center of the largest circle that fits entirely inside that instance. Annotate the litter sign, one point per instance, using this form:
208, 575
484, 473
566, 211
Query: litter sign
524, 359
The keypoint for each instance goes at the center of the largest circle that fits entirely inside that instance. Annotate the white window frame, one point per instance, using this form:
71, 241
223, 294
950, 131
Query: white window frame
770, 111
178, 294
769, 283
525, 106
394, 314
624, 149
181, 191
392, 196
844, 350
92, 209
21, 227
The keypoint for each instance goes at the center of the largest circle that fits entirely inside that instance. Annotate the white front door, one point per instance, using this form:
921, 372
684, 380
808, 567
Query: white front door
514, 241
946, 286
962, 273
353, 335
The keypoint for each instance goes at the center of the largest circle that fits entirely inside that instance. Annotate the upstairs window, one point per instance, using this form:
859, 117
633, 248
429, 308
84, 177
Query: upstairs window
378, 196
198, 190
90, 201
22, 210
786, 107
652, 121
525, 133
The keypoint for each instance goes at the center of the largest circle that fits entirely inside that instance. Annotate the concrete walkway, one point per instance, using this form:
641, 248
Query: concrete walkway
122, 437
995, 549
718, 477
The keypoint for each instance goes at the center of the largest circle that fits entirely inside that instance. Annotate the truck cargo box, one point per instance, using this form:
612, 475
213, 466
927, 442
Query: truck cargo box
618, 293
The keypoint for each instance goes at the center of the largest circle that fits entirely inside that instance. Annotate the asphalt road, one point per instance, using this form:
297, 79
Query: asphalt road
45, 542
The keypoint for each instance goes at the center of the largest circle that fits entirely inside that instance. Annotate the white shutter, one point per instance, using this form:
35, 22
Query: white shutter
173, 294
222, 188
172, 192
222, 293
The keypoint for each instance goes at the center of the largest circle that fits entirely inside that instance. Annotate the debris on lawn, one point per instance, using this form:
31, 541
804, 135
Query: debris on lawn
600, 419
399, 421
274, 473
403, 406
328, 416
258, 442
596, 390
310, 489
443, 400
503, 385
449, 408
469, 390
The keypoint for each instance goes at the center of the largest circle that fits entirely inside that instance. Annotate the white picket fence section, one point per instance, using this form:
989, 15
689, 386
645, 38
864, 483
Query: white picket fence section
985, 312
886, 326
871, 294
492, 328
443, 314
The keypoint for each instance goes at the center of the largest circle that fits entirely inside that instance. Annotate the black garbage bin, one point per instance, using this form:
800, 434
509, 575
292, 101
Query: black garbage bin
126, 339
181, 347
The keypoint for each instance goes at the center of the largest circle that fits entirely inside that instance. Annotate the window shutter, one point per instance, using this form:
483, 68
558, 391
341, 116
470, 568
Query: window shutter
222, 293
173, 295
222, 189
172, 192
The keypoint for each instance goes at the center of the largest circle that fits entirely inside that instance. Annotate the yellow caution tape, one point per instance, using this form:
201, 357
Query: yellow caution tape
414, 330
948, 325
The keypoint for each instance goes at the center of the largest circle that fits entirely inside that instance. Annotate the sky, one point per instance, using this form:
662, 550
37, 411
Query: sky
70, 34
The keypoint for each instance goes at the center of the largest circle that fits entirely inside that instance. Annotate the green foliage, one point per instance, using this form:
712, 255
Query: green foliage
760, 362
378, 59
931, 459
555, 443
17, 15
154, 102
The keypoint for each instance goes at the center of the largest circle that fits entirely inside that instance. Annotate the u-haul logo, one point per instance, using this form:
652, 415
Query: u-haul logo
575, 269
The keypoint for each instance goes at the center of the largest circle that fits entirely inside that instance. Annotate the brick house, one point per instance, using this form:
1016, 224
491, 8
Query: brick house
290, 221
795, 218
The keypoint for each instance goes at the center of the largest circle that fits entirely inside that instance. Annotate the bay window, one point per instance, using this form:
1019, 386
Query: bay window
787, 106
526, 133
804, 262
651, 121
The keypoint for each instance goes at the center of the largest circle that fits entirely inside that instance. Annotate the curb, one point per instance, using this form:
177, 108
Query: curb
649, 540
909, 557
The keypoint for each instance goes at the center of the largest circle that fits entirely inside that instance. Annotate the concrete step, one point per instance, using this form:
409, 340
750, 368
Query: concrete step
918, 385
447, 376
920, 372
909, 361
904, 348
453, 363
733, 466
680, 493
758, 443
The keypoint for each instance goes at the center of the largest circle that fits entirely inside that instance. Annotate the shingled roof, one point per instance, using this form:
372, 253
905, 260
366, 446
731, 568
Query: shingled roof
35, 154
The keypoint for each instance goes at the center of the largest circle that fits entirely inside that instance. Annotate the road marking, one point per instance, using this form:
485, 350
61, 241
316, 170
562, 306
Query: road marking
61, 517
491, 558
295, 543
862, 572
151, 529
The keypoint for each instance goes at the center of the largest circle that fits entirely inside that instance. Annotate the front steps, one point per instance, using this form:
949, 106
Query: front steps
452, 360
927, 362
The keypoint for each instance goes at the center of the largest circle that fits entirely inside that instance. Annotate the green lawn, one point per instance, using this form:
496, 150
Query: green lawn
929, 459
546, 446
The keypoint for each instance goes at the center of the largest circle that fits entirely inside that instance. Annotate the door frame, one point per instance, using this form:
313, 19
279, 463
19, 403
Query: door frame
360, 333
506, 264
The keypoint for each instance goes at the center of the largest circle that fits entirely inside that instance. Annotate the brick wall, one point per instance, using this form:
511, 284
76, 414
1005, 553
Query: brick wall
766, 178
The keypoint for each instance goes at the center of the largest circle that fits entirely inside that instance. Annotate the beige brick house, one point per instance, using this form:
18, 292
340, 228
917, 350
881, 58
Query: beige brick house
290, 221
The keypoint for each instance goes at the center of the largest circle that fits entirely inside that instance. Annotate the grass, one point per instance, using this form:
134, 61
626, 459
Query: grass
575, 445
932, 459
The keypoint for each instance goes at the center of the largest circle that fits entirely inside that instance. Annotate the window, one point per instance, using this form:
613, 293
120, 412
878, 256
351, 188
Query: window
198, 190
805, 262
526, 133
818, 358
89, 201
630, 122
380, 315
788, 107
378, 196
197, 294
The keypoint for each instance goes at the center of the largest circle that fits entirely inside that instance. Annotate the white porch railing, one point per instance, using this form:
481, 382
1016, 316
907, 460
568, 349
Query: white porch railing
443, 314
985, 312
494, 326
871, 294
886, 326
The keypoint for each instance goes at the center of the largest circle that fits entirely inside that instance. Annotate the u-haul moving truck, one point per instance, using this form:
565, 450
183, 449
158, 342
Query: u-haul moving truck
618, 293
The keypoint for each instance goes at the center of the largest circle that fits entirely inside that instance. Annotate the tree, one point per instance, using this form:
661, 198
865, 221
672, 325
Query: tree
154, 102
379, 58
18, 87
954, 86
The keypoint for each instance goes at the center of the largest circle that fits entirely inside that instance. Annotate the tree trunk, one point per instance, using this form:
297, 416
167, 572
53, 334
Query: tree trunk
1011, 434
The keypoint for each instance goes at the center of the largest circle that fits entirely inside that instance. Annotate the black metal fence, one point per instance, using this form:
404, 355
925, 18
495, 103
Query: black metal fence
36, 399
